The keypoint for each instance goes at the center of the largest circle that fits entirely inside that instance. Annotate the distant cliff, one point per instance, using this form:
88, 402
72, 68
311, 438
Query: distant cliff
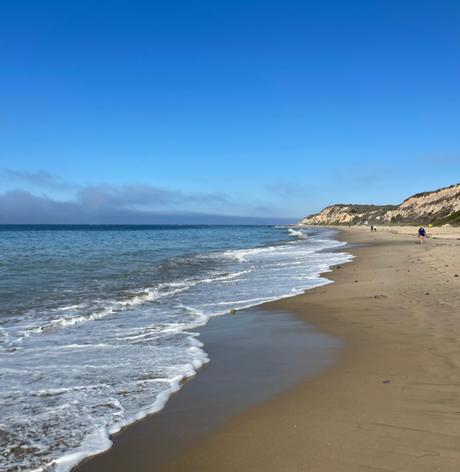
436, 207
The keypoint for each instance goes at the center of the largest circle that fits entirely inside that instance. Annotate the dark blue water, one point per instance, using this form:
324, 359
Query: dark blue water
95, 320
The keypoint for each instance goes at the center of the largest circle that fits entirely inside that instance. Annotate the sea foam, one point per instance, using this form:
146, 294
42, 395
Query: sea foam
94, 361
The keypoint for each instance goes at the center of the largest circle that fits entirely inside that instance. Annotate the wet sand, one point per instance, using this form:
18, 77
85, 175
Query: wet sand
255, 355
392, 400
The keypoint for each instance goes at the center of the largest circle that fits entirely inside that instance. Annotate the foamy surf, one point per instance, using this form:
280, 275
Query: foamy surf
297, 233
95, 359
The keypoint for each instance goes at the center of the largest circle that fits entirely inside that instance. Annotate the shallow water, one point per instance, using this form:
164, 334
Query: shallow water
95, 321
255, 356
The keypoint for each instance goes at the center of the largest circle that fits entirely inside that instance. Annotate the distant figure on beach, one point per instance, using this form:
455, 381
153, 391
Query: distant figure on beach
372, 228
421, 234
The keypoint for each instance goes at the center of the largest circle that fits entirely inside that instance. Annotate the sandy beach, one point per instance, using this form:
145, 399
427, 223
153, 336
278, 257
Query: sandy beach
391, 402
209, 236
435, 232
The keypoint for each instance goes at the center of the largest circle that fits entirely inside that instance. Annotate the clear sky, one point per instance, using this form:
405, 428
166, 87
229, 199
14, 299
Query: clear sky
116, 110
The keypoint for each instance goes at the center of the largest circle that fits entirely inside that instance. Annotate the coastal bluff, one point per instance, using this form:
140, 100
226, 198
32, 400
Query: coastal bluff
437, 207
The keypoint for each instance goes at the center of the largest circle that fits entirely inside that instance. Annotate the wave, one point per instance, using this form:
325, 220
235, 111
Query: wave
99, 441
110, 307
137, 346
297, 232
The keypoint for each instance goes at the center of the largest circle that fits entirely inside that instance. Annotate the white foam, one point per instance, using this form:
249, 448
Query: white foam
115, 306
99, 441
97, 369
297, 232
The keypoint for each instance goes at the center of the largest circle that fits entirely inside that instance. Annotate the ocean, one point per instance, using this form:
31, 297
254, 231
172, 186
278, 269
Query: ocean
100, 324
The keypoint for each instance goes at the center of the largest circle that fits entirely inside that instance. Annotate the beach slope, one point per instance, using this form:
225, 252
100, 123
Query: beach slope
392, 403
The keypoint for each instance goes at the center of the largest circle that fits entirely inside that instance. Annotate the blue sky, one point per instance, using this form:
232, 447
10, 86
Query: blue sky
250, 108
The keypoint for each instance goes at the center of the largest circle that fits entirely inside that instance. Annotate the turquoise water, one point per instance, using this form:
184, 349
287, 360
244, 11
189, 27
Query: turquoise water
95, 321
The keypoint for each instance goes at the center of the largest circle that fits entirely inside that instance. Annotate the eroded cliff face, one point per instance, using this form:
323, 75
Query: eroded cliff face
437, 207
428, 207
347, 214
339, 214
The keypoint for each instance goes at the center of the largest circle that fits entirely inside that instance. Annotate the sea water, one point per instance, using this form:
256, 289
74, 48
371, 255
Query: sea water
95, 321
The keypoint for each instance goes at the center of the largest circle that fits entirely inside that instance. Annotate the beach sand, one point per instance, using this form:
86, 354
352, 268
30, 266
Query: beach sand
392, 400
255, 355
435, 232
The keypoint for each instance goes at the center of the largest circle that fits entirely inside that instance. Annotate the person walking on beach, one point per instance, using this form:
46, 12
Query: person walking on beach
421, 234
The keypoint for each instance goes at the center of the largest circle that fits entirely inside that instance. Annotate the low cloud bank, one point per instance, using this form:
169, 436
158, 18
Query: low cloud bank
111, 206
27, 201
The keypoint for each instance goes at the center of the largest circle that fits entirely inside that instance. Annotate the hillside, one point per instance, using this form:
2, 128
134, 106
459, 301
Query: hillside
436, 207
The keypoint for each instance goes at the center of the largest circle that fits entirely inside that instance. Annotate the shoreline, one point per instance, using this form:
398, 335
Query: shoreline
255, 356
154, 423
390, 402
